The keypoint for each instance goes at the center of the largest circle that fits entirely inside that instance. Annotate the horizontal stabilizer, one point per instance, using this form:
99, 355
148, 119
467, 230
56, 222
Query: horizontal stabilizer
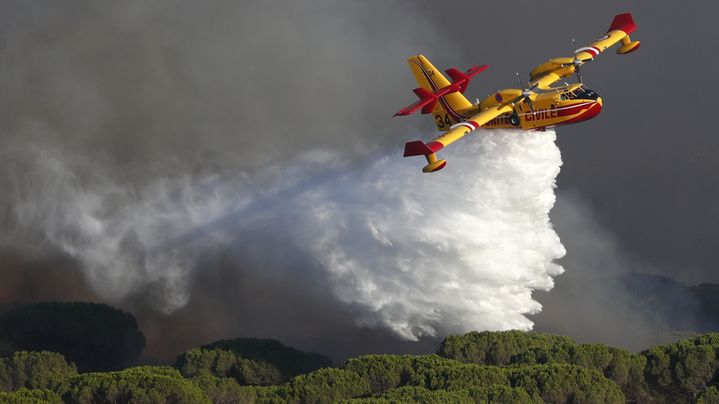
427, 100
461, 80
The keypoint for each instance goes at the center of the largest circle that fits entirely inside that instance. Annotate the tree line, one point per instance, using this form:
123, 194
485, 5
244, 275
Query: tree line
478, 367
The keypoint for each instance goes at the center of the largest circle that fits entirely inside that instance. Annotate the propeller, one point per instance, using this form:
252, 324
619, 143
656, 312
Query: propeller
576, 62
526, 92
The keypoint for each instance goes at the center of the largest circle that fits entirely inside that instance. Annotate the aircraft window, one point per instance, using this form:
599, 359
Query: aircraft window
586, 94
581, 93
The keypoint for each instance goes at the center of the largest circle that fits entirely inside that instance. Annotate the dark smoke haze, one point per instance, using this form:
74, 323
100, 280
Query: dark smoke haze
121, 110
104, 103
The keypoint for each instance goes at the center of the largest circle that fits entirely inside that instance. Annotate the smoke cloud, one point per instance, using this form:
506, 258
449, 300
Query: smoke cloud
415, 254
226, 169
221, 176
609, 295
222, 83
111, 114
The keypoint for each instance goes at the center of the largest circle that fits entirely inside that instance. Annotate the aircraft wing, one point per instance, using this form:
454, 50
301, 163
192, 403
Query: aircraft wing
622, 26
546, 74
429, 149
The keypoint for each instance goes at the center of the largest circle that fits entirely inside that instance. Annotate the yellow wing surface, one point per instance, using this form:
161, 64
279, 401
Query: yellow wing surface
546, 74
457, 131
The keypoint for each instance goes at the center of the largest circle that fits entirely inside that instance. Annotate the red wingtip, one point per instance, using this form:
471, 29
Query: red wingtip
623, 22
416, 148
419, 148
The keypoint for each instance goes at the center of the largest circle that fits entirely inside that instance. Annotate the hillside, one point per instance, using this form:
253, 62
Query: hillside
486, 367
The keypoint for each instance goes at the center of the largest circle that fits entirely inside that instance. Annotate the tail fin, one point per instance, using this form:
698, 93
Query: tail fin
447, 111
625, 22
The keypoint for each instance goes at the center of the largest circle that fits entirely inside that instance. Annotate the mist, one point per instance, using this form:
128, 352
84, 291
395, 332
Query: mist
155, 148
389, 248
609, 295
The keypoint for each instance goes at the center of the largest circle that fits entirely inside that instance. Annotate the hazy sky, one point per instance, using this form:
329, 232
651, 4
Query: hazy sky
133, 93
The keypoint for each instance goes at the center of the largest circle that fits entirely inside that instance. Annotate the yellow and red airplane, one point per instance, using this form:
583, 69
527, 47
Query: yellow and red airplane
537, 106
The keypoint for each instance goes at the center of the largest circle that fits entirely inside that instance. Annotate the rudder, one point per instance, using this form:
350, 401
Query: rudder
448, 110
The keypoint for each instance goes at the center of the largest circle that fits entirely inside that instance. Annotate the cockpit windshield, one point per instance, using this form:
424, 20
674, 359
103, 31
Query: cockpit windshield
580, 92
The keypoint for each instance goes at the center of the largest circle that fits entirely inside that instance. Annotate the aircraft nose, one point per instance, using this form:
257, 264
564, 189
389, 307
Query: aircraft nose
600, 102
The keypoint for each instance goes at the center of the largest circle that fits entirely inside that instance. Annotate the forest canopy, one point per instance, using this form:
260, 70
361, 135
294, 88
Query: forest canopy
477, 367
93, 336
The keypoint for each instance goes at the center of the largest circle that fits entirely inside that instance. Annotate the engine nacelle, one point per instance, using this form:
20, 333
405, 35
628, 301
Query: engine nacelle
548, 66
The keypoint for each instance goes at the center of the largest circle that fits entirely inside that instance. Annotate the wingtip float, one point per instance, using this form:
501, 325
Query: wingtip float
536, 106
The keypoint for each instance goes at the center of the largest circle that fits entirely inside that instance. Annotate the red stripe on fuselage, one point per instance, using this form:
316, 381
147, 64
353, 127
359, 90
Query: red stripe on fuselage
574, 109
594, 110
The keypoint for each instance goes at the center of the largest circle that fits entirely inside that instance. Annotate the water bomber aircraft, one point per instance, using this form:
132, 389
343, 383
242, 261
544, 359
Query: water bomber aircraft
536, 106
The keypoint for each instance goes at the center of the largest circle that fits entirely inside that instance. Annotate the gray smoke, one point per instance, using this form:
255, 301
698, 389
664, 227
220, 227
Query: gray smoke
221, 83
149, 144
231, 168
608, 295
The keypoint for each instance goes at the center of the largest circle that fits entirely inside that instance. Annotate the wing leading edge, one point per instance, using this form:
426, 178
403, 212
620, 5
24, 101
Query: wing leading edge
555, 69
456, 132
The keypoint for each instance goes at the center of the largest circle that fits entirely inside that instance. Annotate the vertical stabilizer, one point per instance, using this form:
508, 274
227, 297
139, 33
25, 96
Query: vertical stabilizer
448, 111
